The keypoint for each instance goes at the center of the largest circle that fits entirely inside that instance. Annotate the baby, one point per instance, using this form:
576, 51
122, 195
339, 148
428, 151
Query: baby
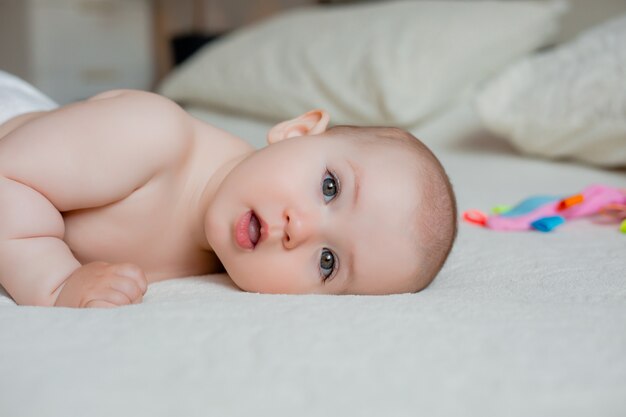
102, 197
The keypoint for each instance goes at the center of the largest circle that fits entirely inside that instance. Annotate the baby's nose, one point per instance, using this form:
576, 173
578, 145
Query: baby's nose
299, 228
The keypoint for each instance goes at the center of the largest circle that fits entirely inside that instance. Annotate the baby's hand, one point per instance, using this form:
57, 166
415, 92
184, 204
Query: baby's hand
101, 284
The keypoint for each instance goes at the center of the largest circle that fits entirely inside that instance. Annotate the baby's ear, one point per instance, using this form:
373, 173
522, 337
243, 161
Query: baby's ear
310, 123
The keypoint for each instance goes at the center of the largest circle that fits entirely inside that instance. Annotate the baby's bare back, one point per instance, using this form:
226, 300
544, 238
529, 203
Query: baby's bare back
106, 180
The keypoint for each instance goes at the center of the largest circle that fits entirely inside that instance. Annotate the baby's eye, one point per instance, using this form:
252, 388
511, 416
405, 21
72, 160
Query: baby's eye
330, 186
327, 264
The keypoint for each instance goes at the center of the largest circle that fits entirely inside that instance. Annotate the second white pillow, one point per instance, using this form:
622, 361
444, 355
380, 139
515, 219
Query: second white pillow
569, 102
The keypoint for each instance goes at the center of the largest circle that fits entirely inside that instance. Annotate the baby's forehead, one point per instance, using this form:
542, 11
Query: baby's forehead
383, 265
384, 225
386, 170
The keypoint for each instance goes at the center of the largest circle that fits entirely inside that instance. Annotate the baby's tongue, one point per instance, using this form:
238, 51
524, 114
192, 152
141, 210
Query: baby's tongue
254, 229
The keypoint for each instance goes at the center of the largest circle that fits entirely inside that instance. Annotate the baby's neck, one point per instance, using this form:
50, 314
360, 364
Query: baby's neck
215, 153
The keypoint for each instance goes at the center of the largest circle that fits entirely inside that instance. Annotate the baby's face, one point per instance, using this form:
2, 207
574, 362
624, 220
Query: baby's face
318, 214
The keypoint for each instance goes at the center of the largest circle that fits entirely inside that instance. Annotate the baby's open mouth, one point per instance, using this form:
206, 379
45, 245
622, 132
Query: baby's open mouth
248, 230
254, 229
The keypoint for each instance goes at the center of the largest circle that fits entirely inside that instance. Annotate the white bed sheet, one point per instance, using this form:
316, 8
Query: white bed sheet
517, 324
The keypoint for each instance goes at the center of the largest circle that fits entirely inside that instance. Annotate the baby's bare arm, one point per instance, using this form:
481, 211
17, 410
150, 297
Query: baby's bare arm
34, 260
83, 155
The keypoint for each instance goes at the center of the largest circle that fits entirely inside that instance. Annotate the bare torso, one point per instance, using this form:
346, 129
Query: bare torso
153, 227
150, 228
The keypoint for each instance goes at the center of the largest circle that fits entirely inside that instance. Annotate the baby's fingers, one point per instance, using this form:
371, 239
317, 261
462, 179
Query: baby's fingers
99, 304
128, 287
109, 296
133, 272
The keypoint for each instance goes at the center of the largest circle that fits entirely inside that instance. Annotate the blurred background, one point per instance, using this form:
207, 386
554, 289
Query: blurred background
72, 49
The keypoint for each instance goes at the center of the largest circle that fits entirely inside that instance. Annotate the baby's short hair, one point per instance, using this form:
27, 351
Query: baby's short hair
437, 217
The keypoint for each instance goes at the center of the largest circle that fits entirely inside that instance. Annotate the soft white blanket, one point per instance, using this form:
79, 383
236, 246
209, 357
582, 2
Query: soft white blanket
17, 97
518, 324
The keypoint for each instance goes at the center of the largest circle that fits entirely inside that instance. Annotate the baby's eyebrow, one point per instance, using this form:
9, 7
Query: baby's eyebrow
357, 183
355, 198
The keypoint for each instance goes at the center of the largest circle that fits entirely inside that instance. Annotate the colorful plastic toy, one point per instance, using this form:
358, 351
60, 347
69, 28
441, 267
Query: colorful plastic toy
545, 213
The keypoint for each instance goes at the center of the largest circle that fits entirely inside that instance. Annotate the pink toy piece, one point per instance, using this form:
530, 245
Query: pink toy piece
595, 197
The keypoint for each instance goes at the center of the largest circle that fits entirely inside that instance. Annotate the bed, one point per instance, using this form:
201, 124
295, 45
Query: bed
517, 324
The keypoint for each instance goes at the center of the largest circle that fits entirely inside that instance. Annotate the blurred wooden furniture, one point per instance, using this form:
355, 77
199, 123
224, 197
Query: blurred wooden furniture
204, 19
72, 49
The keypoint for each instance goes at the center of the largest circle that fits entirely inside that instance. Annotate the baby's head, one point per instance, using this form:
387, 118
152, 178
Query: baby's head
345, 210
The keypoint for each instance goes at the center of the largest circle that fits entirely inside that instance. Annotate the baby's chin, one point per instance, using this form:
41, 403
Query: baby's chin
258, 287
244, 283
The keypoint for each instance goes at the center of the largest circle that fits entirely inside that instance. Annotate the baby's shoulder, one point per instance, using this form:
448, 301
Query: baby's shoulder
145, 114
144, 105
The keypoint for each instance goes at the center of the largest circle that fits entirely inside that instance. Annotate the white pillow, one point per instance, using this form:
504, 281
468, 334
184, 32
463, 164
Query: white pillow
566, 103
385, 63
